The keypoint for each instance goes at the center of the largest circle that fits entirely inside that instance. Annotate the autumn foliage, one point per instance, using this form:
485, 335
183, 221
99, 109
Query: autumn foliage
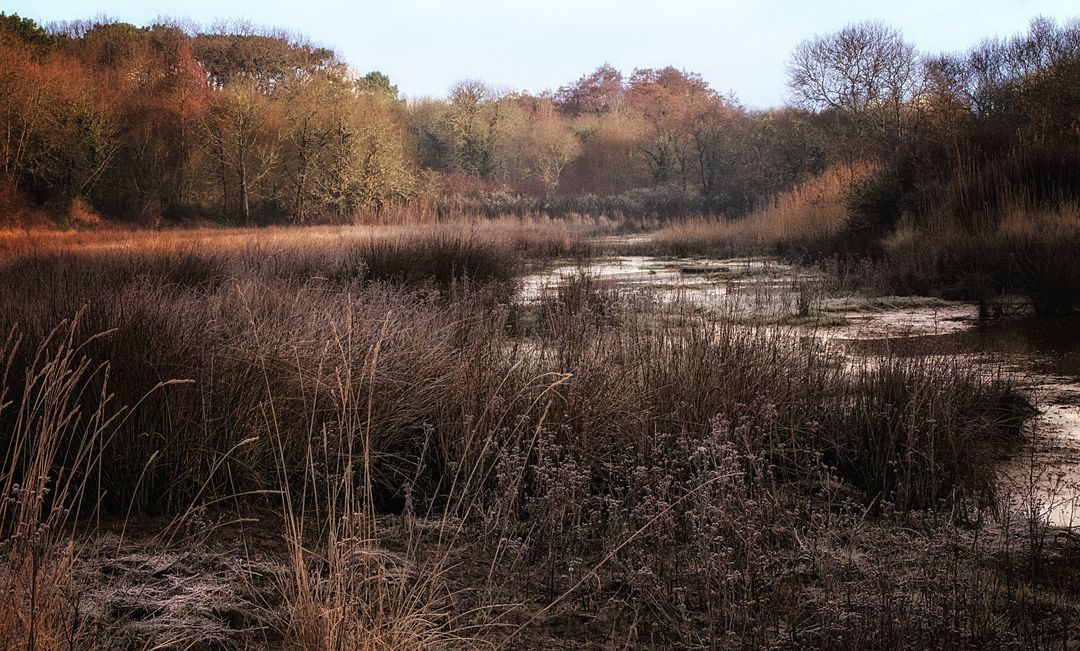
167, 123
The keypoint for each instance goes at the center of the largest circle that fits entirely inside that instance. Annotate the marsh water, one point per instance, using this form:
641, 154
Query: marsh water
1041, 355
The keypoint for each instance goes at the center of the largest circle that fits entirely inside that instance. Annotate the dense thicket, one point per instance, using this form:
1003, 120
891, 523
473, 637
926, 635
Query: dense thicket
963, 140
245, 126
976, 192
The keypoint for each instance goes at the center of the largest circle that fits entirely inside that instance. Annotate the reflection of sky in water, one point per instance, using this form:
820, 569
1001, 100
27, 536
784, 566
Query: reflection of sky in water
743, 287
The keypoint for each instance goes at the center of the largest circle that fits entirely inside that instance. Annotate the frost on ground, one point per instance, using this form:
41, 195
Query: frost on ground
147, 595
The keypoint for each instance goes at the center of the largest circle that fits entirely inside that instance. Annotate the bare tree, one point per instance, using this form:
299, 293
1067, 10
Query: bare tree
867, 70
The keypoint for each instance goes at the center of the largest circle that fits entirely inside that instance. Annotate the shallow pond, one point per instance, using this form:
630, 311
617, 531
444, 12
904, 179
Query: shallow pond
1042, 355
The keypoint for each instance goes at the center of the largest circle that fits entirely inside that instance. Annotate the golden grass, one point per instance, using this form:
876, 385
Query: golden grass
532, 235
810, 212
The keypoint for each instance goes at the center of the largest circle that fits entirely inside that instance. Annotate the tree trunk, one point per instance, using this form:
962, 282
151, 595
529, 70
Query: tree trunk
224, 179
301, 183
245, 207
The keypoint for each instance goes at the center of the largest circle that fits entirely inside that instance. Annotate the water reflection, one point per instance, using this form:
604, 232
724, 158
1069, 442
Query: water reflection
1048, 347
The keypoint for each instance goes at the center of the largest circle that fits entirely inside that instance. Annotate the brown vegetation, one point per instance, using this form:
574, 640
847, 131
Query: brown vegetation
799, 220
363, 435
437, 469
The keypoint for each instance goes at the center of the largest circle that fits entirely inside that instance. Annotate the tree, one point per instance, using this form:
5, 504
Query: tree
601, 91
25, 33
159, 94
27, 118
378, 84
243, 139
554, 145
535, 142
241, 52
866, 70
945, 101
309, 131
181, 97
714, 127
57, 135
610, 160
365, 163
428, 125
667, 98
473, 119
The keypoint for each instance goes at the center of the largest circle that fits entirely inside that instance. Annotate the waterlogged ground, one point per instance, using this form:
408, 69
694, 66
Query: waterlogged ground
1042, 355
213, 579
747, 288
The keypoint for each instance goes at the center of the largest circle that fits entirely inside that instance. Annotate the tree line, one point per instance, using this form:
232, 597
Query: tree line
244, 126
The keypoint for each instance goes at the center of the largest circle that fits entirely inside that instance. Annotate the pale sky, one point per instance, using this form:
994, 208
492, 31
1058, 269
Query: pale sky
426, 45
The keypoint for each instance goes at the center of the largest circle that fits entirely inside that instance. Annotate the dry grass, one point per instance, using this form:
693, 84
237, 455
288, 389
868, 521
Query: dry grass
53, 448
448, 466
533, 237
36, 574
798, 219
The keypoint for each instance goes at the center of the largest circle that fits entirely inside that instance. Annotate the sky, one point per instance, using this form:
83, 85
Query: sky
427, 45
